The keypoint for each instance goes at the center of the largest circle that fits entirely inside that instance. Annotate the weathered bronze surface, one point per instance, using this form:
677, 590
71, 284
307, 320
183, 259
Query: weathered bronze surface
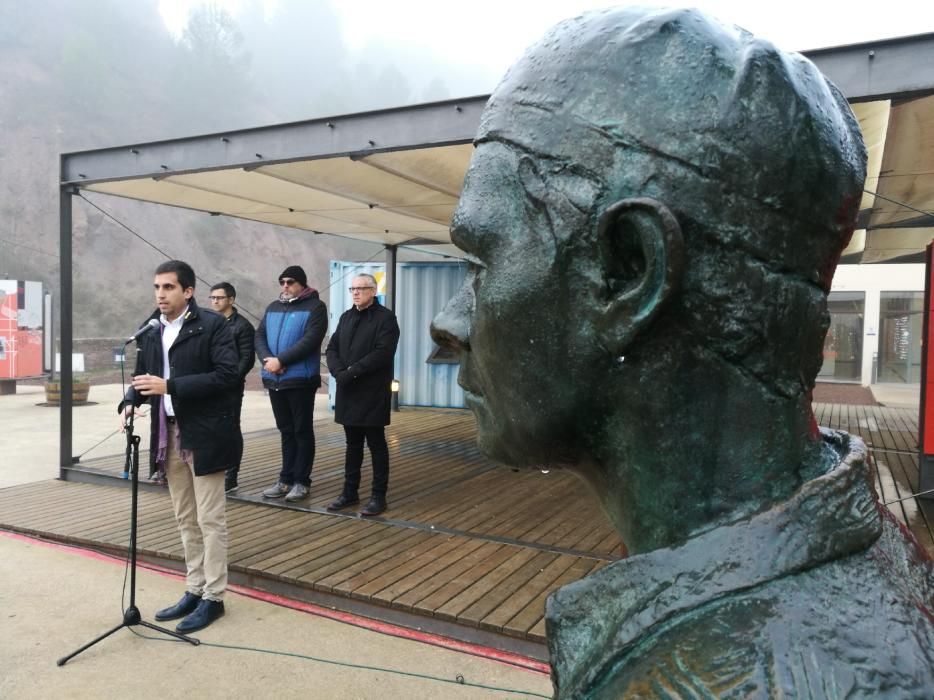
653, 215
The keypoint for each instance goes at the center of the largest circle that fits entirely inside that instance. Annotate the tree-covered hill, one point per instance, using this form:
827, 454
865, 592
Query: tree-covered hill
78, 75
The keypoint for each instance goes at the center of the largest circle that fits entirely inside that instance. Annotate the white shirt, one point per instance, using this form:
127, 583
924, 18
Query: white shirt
170, 332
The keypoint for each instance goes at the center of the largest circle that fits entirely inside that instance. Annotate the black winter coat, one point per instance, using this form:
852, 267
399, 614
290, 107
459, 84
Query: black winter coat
243, 333
360, 358
204, 386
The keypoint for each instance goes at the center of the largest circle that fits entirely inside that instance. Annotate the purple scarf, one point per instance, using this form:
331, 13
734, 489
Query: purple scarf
158, 474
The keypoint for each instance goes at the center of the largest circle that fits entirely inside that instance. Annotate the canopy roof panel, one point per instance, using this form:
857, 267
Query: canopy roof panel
394, 176
907, 171
359, 176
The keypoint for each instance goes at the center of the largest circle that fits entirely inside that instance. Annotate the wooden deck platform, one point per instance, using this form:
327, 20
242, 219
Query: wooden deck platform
467, 549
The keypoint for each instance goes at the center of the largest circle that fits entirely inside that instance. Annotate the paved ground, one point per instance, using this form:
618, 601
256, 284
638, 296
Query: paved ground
55, 599
897, 395
837, 392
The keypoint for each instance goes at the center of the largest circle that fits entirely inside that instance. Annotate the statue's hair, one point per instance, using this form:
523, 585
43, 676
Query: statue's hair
758, 156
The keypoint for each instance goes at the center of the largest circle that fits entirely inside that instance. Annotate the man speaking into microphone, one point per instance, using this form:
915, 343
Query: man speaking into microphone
186, 367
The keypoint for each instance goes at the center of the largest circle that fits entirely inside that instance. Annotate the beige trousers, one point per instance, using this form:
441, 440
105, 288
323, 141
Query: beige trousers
199, 503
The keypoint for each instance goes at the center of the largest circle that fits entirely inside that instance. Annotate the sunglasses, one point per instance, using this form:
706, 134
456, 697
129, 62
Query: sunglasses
286, 282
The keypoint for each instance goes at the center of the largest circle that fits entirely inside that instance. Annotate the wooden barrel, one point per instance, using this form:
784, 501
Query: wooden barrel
79, 392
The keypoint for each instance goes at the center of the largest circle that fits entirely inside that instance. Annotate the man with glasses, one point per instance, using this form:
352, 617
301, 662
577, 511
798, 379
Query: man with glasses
288, 344
360, 358
222, 298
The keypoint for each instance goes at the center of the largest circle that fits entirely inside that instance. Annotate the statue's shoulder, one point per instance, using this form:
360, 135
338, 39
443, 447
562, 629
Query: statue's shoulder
832, 631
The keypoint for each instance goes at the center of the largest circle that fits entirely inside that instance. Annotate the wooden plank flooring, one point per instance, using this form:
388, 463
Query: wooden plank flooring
438, 481
465, 543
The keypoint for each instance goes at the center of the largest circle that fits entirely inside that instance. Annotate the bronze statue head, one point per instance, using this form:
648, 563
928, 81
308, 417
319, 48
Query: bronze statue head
652, 217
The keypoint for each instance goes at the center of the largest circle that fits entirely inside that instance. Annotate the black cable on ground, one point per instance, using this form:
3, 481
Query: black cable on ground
457, 680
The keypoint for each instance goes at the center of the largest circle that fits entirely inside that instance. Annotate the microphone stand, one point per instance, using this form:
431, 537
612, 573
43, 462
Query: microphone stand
131, 616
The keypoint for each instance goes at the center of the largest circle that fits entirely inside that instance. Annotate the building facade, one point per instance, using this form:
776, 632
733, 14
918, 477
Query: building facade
876, 319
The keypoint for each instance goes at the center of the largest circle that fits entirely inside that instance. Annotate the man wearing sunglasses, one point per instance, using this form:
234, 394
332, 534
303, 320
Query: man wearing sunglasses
288, 344
222, 298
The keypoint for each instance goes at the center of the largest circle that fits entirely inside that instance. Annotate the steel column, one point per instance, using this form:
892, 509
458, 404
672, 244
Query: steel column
66, 327
391, 251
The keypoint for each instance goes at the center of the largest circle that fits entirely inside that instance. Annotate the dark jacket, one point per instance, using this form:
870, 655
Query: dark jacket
203, 384
243, 334
293, 331
360, 358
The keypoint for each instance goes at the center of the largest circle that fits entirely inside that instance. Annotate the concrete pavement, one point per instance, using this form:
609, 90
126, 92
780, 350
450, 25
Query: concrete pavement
55, 600
897, 395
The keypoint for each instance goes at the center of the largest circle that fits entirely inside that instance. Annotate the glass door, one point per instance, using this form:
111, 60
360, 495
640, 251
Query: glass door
843, 346
901, 317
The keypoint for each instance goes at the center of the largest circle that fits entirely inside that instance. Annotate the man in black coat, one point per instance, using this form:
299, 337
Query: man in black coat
187, 370
360, 358
222, 298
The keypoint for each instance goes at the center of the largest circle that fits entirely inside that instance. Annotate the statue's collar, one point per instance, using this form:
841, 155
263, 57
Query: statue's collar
595, 620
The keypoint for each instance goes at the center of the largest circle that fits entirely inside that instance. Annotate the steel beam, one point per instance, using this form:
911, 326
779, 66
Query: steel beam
877, 70
419, 126
391, 254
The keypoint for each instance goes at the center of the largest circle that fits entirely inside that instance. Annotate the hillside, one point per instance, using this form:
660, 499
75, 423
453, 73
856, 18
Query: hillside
105, 72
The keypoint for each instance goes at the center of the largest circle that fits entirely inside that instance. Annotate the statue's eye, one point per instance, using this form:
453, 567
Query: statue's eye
476, 271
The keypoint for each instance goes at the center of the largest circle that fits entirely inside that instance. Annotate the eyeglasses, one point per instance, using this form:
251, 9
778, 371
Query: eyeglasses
286, 282
359, 289
218, 298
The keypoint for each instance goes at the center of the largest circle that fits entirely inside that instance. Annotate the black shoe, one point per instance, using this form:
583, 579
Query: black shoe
376, 506
183, 607
342, 502
206, 612
230, 485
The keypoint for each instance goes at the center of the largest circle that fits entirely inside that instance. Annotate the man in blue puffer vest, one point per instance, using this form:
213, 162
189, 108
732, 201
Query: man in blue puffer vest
288, 345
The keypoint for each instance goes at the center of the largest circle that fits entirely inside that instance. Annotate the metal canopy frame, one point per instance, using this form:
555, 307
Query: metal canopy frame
446, 123
886, 69
877, 70
354, 135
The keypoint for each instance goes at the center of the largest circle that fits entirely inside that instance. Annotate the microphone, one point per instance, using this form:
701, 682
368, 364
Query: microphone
153, 323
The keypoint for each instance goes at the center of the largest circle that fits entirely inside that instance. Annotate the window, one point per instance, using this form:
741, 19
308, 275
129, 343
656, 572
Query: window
901, 318
843, 346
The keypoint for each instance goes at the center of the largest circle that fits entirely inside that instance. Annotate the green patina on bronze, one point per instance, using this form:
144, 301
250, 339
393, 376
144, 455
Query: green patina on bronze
653, 215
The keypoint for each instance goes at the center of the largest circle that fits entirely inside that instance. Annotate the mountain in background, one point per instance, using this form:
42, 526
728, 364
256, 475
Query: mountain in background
99, 73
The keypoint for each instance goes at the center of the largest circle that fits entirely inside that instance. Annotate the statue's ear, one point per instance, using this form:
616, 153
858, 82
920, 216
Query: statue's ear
641, 253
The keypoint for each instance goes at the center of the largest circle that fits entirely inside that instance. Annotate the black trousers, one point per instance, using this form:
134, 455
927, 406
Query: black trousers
294, 412
235, 467
375, 437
